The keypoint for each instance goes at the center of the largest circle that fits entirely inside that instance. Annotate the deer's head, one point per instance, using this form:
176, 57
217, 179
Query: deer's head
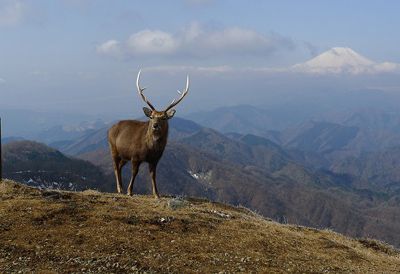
158, 122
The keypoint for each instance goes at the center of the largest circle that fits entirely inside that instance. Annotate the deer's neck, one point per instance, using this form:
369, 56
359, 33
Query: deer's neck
157, 139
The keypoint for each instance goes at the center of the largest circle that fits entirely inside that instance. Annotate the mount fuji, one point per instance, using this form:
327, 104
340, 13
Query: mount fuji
344, 60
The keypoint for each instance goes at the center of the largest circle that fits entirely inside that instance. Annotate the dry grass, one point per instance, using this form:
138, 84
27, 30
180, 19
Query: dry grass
65, 232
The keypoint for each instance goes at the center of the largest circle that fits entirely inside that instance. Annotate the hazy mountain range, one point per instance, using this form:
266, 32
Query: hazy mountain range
318, 174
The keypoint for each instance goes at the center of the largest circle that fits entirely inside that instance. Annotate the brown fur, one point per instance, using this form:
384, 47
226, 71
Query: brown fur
138, 142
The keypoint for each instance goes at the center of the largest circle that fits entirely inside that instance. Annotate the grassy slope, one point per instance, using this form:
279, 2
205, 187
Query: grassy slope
49, 231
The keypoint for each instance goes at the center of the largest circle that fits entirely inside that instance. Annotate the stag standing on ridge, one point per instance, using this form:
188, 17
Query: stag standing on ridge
138, 142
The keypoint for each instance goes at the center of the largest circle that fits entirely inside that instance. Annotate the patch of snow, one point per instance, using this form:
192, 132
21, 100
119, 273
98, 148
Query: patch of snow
206, 176
22, 171
194, 175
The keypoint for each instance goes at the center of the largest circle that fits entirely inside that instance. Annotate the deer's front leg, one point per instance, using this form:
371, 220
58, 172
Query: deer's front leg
135, 169
152, 169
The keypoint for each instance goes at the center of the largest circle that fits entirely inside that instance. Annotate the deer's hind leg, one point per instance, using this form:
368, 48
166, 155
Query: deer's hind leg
118, 164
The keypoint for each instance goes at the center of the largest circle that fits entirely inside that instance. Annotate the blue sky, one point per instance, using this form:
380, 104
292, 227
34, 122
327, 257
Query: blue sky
82, 55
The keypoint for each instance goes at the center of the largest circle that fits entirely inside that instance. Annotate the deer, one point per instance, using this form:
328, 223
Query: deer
138, 141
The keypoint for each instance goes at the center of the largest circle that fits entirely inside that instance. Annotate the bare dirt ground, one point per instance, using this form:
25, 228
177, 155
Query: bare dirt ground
91, 232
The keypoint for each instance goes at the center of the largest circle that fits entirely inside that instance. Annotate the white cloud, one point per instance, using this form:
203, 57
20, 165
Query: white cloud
2, 80
188, 69
152, 42
215, 70
110, 47
387, 67
380, 68
12, 12
198, 41
234, 40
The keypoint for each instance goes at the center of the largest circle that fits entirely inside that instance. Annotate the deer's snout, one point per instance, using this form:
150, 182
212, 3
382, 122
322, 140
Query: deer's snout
156, 126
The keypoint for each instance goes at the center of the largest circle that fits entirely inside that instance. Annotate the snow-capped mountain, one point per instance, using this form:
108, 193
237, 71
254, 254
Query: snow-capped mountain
344, 60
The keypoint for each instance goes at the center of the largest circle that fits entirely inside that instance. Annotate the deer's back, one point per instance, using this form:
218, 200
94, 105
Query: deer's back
127, 139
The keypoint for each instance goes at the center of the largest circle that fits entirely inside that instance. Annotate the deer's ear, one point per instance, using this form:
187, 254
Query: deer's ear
170, 113
147, 112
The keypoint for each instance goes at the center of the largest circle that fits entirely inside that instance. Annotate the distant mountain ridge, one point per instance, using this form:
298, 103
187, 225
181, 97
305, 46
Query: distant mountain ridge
246, 119
30, 123
379, 169
10, 139
38, 165
365, 129
322, 137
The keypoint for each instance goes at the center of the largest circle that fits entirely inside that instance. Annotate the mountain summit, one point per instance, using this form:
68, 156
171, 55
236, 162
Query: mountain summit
339, 57
343, 60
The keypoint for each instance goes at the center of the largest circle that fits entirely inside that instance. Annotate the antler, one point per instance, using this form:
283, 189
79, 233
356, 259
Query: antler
140, 91
183, 94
